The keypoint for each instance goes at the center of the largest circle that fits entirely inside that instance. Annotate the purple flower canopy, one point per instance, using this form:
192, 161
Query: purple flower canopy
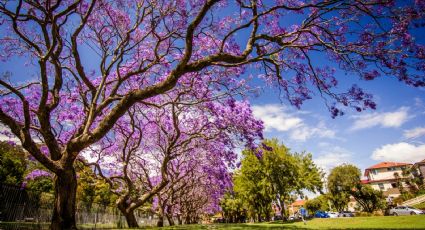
36, 174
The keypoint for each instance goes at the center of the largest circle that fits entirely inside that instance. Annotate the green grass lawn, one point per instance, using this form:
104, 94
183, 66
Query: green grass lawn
379, 222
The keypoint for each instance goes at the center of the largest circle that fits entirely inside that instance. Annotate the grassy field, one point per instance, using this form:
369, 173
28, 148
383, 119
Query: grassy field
380, 222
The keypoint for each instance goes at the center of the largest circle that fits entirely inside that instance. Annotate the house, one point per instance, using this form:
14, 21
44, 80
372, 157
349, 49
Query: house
385, 176
420, 169
294, 207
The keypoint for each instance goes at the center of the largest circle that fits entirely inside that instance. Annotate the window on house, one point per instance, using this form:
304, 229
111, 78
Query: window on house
394, 185
374, 171
392, 169
381, 186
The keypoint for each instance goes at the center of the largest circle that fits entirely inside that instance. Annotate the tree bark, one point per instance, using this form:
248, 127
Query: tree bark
170, 215
63, 217
131, 219
283, 209
128, 213
179, 220
170, 220
160, 222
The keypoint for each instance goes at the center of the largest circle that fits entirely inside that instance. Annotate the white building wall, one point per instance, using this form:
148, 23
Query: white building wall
383, 174
387, 185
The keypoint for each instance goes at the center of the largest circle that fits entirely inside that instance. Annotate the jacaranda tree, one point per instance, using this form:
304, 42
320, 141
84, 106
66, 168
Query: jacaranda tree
91, 60
154, 147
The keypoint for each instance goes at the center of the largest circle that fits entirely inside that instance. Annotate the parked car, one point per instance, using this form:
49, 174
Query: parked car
346, 214
293, 217
405, 210
321, 214
332, 214
278, 217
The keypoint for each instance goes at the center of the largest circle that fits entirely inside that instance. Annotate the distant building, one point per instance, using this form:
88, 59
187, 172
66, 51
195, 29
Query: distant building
294, 207
383, 177
420, 169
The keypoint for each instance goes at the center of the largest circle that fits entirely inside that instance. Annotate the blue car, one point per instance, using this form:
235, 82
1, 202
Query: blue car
321, 214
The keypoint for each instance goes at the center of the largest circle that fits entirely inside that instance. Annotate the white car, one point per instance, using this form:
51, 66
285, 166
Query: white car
332, 214
405, 210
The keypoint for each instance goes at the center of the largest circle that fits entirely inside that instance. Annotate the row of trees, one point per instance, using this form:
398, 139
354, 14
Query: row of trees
91, 62
344, 183
191, 193
269, 178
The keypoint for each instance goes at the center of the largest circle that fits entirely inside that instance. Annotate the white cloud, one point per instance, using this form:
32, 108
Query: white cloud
401, 152
277, 118
304, 132
332, 156
414, 133
389, 119
3, 137
274, 117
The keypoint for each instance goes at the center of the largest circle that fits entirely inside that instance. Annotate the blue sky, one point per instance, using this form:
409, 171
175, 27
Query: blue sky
395, 131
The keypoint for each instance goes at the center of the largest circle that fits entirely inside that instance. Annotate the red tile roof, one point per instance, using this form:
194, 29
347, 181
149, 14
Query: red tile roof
364, 181
299, 203
385, 165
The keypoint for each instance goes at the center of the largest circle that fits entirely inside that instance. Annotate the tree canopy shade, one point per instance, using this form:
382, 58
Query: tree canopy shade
94, 60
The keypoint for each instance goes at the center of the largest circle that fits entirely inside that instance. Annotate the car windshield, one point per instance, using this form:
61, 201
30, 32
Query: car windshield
410, 207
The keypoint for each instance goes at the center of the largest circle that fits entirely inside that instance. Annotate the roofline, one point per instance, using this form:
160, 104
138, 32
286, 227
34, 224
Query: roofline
400, 164
366, 171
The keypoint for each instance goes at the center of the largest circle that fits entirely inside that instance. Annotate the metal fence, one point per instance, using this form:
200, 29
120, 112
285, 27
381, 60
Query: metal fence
24, 209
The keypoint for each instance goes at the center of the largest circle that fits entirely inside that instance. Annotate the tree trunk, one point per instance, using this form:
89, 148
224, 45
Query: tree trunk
128, 213
283, 209
160, 222
131, 219
179, 220
170, 215
170, 220
267, 213
63, 217
160, 216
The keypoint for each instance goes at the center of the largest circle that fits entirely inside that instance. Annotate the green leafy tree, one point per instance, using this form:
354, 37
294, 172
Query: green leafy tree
318, 203
92, 190
368, 198
252, 184
273, 174
341, 181
233, 208
289, 173
12, 164
344, 182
